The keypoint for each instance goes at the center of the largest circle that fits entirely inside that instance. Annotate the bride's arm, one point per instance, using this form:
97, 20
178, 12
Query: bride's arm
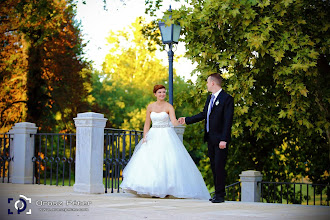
172, 116
147, 123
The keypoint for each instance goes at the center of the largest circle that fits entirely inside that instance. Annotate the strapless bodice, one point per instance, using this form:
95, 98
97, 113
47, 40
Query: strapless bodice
159, 119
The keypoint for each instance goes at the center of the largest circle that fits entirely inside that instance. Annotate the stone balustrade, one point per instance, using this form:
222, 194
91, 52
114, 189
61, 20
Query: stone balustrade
89, 156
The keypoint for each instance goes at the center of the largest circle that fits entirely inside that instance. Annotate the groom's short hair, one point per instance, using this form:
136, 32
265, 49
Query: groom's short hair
216, 78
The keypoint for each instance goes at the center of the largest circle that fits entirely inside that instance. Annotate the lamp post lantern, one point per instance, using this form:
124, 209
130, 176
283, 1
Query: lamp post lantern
170, 35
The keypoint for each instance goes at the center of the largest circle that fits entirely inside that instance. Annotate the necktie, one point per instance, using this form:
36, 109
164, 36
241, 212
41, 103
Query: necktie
208, 113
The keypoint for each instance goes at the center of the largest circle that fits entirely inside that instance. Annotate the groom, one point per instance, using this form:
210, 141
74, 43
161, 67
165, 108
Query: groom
218, 115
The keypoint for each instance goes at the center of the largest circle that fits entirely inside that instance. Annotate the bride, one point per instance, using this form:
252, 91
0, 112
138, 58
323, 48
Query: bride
160, 165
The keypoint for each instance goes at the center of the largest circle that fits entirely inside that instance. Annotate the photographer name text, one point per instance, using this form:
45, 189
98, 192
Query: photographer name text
41, 203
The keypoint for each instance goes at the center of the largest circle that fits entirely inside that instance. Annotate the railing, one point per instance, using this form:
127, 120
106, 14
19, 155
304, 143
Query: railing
5, 142
53, 163
233, 192
295, 193
119, 146
54, 159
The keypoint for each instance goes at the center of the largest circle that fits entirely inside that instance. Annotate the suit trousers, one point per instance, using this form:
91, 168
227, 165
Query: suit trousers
218, 158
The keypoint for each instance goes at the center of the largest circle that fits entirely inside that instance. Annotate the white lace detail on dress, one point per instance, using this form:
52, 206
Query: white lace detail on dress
160, 126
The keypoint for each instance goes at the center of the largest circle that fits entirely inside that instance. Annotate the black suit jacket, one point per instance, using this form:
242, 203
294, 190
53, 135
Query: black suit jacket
221, 118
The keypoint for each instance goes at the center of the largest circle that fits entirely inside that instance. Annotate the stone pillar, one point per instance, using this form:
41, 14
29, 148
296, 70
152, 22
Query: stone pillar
89, 152
22, 152
251, 191
180, 131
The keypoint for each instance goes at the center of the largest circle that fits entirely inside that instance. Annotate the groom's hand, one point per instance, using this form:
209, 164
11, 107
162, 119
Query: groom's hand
222, 144
182, 120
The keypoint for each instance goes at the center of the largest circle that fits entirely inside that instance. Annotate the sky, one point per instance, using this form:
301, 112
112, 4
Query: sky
97, 23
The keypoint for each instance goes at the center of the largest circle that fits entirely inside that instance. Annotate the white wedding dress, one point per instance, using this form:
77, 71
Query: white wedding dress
162, 166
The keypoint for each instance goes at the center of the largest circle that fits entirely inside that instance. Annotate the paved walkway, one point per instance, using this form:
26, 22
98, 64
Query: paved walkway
58, 202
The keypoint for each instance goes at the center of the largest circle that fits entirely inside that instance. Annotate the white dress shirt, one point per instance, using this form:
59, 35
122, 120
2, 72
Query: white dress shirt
215, 97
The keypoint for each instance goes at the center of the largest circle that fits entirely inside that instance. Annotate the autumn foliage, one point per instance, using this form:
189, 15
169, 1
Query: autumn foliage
41, 65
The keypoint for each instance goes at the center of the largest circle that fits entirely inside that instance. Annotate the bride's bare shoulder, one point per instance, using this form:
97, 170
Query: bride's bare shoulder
169, 106
150, 106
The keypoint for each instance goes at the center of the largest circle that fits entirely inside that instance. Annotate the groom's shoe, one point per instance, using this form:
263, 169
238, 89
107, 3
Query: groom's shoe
218, 199
212, 198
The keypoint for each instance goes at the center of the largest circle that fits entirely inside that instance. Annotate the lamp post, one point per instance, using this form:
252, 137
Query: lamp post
170, 35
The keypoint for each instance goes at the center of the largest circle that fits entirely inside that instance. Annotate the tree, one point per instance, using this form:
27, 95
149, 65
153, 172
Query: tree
275, 58
54, 84
13, 65
130, 71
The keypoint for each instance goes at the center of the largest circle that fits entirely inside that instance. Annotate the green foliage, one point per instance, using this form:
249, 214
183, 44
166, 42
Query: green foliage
274, 56
123, 89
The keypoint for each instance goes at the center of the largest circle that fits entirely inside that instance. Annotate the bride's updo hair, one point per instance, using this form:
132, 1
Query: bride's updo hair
157, 87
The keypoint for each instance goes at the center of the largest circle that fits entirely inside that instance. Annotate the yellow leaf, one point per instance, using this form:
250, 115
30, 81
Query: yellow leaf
245, 109
279, 22
282, 114
248, 123
168, 23
235, 12
301, 21
290, 112
278, 55
287, 2
58, 116
304, 92
313, 54
264, 3
246, 22
265, 20
120, 104
298, 66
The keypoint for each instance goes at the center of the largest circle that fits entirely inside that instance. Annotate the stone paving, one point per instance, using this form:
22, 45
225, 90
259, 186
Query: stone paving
60, 202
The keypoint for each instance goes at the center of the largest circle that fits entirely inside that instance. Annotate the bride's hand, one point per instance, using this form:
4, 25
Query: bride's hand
144, 140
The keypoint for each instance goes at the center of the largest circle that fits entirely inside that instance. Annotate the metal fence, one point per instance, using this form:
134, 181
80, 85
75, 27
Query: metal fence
233, 192
54, 158
54, 164
5, 159
119, 147
295, 193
